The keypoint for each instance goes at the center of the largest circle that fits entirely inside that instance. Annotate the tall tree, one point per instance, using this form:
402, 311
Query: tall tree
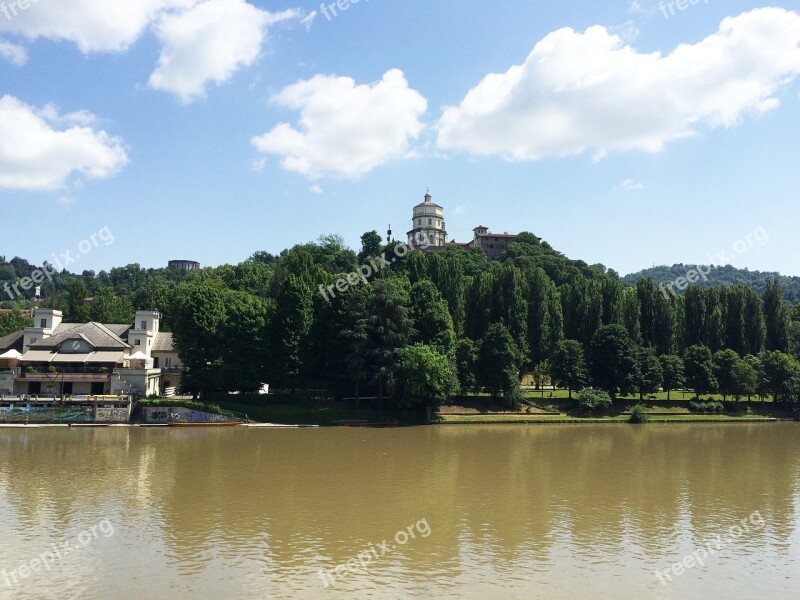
499, 363
776, 318
695, 316
288, 332
389, 329
433, 325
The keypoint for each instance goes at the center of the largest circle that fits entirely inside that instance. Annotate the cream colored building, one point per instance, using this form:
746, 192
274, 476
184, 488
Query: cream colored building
428, 225
75, 359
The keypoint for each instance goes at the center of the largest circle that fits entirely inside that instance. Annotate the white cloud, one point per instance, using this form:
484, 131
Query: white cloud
16, 55
208, 43
631, 185
580, 92
34, 155
94, 25
315, 189
345, 130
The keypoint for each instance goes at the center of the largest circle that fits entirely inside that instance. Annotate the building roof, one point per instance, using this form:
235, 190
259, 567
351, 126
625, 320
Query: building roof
163, 342
12, 341
498, 235
97, 334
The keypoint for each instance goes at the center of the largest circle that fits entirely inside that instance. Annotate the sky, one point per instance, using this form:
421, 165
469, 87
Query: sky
627, 133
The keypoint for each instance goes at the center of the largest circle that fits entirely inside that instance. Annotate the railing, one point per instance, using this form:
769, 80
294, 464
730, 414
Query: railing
65, 376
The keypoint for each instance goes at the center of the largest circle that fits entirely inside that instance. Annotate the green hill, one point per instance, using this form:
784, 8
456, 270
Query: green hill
726, 275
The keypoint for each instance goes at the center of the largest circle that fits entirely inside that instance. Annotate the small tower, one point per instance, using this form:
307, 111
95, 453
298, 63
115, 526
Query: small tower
428, 224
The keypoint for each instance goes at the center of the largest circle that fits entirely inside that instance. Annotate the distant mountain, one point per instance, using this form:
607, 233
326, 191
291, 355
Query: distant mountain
726, 275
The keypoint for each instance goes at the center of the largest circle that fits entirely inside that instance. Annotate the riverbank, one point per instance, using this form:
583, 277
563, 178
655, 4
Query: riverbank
551, 407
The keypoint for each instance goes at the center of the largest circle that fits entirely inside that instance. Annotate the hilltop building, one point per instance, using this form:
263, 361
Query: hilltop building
184, 265
428, 223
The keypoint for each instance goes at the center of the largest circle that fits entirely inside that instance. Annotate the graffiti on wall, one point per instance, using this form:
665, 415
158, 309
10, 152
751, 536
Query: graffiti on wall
181, 415
112, 415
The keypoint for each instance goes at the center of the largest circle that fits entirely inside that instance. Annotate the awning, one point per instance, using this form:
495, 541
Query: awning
37, 356
10, 355
105, 357
70, 358
138, 356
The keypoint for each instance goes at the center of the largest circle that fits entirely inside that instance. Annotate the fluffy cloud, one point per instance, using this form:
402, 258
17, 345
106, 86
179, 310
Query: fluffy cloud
36, 155
202, 40
345, 130
94, 25
589, 91
16, 55
210, 43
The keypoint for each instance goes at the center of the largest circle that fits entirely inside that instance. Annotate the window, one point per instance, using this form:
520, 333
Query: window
137, 343
430, 222
44, 324
167, 362
155, 362
144, 325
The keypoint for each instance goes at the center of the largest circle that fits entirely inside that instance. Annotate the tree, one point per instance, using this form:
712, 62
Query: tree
672, 369
288, 331
613, 361
694, 316
725, 362
371, 244
13, 322
776, 318
466, 365
425, 377
568, 365
649, 374
780, 375
108, 308
699, 369
75, 308
478, 306
744, 379
433, 324
498, 363
389, 328
198, 319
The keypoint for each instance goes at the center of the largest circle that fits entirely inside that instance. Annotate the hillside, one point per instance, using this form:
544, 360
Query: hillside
726, 275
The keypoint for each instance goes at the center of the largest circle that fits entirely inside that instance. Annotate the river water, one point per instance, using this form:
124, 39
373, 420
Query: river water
538, 511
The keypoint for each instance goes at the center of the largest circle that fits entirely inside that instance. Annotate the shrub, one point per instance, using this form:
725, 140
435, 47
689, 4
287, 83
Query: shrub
706, 407
589, 399
639, 414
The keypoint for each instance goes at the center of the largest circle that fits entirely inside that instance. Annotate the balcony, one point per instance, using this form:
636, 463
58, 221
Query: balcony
65, 375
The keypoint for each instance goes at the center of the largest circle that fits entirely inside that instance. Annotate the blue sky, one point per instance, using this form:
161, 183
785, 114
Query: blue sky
211, 129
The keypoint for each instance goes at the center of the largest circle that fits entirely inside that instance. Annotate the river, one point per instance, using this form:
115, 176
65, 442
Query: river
495, 512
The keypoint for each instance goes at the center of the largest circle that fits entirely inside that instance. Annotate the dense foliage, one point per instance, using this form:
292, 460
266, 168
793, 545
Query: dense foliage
307, 319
